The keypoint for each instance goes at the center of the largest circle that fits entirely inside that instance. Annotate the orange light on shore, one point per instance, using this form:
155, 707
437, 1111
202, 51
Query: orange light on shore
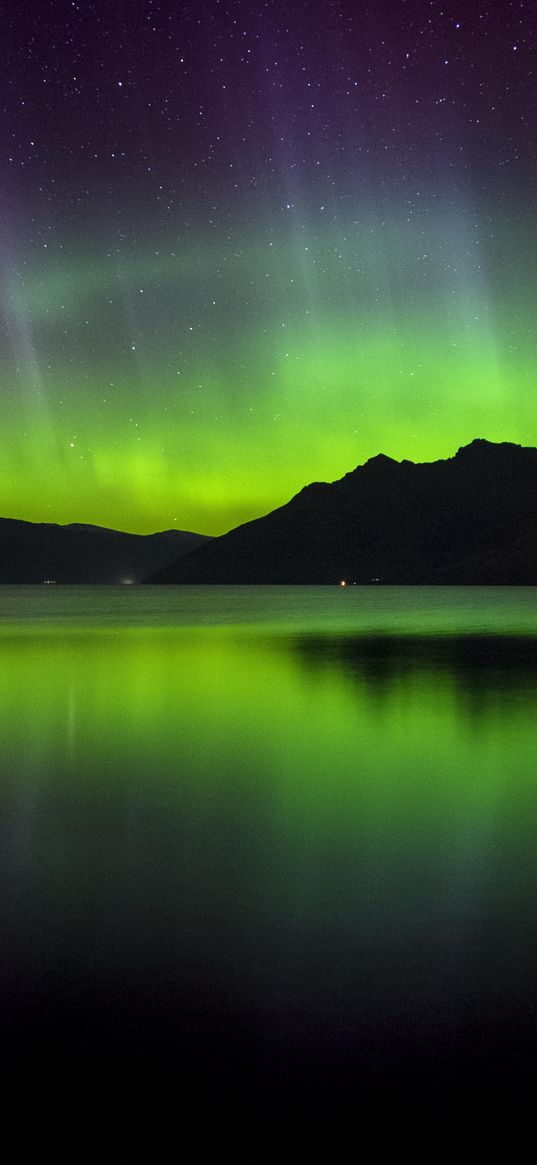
343, 583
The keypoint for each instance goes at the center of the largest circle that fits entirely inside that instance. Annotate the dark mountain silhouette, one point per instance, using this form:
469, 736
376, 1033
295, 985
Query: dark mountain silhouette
469, 519
34, 553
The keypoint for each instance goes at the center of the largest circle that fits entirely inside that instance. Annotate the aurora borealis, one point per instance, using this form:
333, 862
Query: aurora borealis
247, 246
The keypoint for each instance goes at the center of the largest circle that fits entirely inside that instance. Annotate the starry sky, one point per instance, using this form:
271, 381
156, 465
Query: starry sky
245, 246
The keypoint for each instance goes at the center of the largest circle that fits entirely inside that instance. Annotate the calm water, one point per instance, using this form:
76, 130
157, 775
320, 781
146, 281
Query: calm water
270, 852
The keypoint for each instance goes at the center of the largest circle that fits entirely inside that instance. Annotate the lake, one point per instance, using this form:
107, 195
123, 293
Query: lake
270, 852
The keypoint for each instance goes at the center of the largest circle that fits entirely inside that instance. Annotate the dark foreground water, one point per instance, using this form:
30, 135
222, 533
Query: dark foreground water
269, 855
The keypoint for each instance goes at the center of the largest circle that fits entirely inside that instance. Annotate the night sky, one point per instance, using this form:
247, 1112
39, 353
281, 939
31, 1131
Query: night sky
247, 246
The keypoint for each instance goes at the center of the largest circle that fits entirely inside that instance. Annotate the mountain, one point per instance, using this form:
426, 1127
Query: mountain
469, 519
34, 553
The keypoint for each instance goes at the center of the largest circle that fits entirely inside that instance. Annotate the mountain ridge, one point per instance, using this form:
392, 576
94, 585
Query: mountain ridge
470, 518
77, 552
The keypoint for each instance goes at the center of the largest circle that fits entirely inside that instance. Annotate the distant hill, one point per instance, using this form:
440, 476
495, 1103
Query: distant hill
34, 553
469, 519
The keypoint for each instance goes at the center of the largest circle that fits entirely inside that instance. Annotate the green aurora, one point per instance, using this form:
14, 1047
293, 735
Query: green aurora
247, 249
200, 383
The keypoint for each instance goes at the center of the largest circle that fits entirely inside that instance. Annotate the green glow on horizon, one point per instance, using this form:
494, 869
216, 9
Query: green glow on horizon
201, 386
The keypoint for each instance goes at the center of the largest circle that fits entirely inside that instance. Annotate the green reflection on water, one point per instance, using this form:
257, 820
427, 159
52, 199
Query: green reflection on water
378, 754
333, 832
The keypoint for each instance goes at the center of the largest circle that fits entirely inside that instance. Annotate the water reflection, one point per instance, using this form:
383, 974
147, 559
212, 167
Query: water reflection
486, 669
276, 872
